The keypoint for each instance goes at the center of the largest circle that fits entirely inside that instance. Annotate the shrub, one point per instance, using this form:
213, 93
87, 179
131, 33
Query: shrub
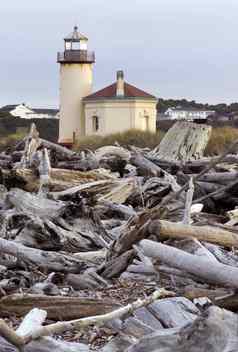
132, 137
10, 140
220, 140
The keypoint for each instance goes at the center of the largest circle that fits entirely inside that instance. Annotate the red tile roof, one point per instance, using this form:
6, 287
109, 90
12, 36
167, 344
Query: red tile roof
110, 92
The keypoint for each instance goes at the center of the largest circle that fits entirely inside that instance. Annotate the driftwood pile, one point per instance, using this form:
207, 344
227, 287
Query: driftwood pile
121, 249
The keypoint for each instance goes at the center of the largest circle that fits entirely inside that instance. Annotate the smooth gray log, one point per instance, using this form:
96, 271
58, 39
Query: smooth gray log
202, 267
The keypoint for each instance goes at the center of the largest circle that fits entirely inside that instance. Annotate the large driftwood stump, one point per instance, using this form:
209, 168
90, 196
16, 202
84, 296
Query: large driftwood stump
184, 141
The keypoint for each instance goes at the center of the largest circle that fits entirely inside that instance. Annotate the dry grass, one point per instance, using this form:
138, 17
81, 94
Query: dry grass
132, 137
220, 139
10, 140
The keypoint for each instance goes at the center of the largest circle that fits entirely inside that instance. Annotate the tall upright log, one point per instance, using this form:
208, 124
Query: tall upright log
184, 141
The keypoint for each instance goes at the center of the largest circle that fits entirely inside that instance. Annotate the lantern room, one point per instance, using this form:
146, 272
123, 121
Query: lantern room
75, 41
76, 49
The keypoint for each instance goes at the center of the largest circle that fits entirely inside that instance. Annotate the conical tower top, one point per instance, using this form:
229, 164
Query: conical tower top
75, 36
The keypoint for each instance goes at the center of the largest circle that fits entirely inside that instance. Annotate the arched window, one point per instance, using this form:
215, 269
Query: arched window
95, 123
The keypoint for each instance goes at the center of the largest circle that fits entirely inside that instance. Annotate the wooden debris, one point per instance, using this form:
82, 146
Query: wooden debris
84, 233
57, 307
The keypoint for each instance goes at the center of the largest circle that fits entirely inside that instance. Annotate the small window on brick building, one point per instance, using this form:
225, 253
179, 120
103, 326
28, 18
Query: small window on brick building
95, 123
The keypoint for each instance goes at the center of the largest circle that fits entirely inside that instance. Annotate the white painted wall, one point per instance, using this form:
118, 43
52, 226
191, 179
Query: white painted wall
119, 115
75, 83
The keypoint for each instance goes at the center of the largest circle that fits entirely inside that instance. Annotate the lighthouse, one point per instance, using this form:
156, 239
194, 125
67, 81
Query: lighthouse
76, 76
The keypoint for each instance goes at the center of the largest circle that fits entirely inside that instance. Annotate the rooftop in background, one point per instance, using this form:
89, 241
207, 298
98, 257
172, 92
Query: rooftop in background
9, 108
130, 91
26, 112
180, 113
46, 111
180, 108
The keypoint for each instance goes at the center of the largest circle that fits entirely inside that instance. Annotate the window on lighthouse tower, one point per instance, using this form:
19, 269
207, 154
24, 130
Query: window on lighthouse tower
75, 45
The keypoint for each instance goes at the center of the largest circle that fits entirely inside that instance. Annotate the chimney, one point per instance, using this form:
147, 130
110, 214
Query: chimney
120, 84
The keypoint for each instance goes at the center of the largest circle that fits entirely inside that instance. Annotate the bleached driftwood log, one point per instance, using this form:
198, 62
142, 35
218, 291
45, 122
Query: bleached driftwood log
145, 167
188, 203
44, 168
202, 267
147, 224
184, 141
216, 331
32, 142
21, 340
203, 233
106, 151
53, 261
62, 152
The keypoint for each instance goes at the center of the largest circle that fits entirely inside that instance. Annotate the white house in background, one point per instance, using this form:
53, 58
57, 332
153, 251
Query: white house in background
25, 112
179, 113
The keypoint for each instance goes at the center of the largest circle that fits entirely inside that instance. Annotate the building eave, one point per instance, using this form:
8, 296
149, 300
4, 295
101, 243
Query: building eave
118, 99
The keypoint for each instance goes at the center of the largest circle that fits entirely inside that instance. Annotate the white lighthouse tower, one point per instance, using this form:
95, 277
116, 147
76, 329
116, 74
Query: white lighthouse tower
76, 75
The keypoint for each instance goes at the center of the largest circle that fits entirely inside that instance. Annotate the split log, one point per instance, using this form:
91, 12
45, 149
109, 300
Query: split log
59, 179
34, 205
121, 192
92, 188
204, 268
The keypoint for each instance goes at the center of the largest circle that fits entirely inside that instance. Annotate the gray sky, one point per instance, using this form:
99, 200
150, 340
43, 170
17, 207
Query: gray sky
172, 48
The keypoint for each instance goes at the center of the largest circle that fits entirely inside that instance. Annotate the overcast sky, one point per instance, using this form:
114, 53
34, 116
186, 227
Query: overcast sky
171, 48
